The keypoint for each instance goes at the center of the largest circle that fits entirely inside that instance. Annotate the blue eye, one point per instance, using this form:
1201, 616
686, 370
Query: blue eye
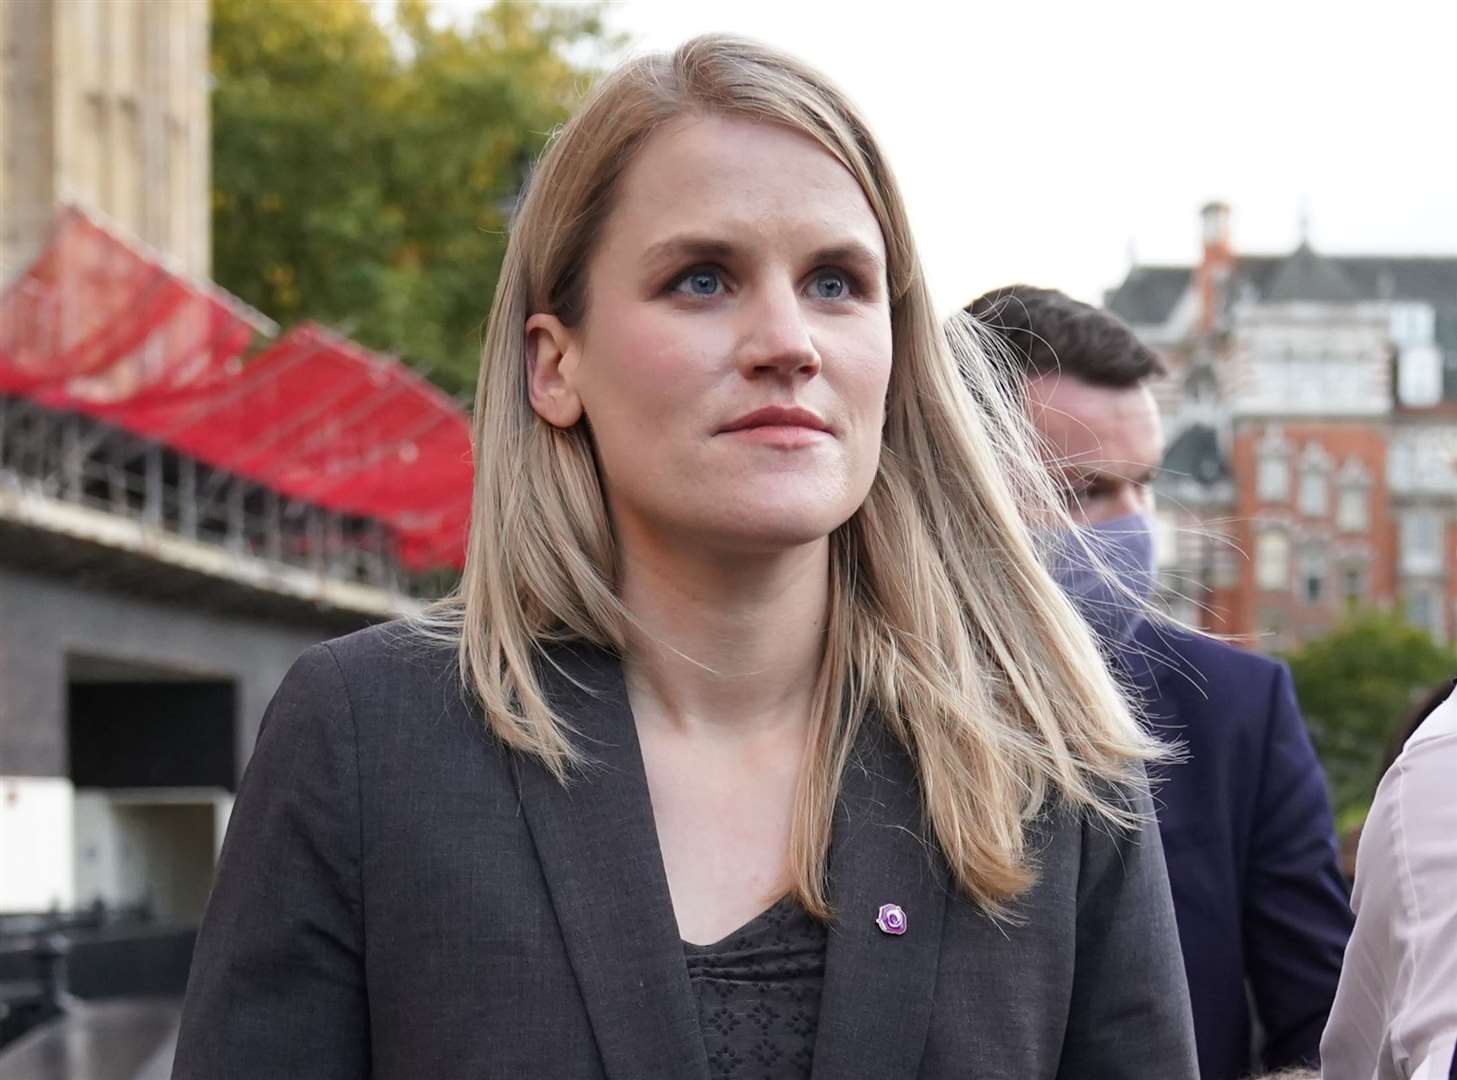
705, 281
830, 285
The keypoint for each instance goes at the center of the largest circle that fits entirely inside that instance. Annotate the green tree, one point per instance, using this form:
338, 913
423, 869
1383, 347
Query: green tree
364, 170
1355, 685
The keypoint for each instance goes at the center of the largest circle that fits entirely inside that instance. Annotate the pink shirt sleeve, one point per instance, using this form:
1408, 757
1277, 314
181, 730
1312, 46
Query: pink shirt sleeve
1395, 1012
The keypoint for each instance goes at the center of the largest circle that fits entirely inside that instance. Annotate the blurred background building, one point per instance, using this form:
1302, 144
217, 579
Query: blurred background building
1310, 415
103, 102
188, 499
106, 102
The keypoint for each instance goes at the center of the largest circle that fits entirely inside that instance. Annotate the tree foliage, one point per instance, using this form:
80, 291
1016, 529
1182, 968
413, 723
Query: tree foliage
364, 168
1356, 685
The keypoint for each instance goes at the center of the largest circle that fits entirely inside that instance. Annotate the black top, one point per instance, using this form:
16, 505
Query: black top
758, 993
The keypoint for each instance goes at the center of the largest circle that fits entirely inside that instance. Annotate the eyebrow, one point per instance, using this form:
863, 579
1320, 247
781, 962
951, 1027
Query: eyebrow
677, 249
1086, 477
688, 248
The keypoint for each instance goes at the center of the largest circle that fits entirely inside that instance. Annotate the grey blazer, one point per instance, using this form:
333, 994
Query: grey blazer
400, 897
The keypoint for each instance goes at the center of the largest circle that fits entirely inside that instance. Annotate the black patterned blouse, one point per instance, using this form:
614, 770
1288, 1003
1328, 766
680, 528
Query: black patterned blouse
758, 995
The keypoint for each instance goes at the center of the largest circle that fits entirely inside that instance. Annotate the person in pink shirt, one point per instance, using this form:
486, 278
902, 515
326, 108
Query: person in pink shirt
1395, 1013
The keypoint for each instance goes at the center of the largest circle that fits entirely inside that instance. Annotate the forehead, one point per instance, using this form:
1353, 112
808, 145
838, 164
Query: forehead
1103, 428
744, 180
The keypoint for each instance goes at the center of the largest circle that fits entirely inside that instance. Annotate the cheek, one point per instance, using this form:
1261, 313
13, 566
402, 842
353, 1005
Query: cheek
637, 372
865, 384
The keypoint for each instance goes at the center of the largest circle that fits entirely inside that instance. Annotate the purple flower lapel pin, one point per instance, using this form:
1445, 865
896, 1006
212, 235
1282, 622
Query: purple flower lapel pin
891, 919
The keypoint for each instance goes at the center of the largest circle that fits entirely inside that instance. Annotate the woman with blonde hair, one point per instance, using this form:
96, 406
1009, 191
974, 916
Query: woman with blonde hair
779, 752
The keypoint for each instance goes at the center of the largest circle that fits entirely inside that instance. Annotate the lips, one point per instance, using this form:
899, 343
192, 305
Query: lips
777, 416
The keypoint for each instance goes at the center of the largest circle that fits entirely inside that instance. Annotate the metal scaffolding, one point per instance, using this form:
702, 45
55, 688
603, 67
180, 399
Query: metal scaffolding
82, 461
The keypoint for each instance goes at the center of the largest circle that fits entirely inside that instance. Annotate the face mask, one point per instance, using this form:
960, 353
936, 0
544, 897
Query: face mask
1122, 548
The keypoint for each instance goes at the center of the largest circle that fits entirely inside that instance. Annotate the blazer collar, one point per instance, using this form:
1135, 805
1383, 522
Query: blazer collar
598, 845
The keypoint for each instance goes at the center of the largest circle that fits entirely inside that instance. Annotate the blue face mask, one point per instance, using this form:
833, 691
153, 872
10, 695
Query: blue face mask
1124, 547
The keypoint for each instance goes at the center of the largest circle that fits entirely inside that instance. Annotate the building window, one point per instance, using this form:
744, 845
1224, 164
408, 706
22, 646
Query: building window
1312, 576
1353, 585
1424, 609
1272, 560
1421, 542
1419, 375
1413, 324
1314, 491
1352, 514
1166, 541
1272, 628
1227, 565
1273, 480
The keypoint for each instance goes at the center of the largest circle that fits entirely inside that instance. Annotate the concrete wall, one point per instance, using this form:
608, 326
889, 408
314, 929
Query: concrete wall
61, 846
44, 619
153, 848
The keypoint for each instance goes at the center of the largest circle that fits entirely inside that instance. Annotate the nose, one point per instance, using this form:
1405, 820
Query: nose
1126, 500
776, 340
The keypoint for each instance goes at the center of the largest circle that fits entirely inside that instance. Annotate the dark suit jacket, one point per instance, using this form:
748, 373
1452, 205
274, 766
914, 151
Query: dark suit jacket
1250, 847
400, 897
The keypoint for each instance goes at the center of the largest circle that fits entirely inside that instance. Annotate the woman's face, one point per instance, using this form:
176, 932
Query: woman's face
736, 349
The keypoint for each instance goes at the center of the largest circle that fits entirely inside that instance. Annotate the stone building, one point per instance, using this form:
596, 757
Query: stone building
105, 103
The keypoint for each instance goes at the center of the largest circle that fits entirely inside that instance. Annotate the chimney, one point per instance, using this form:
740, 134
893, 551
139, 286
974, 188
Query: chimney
1216, 265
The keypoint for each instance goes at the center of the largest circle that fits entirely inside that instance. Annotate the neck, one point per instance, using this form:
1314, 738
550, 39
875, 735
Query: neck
725, 644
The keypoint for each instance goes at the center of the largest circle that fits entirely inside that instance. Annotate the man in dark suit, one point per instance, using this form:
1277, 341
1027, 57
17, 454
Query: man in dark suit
1246, 823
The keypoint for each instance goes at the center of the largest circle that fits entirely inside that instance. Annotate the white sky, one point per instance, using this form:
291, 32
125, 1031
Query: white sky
1042, 141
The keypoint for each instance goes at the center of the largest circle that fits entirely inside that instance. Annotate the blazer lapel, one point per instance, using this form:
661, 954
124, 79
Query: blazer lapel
598, 845
878, 990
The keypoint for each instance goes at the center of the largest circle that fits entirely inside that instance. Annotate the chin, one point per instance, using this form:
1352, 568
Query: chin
767, 529
734, 517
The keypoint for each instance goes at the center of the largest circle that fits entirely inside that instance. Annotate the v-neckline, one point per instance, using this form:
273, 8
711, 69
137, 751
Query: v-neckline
692, 946
597, 841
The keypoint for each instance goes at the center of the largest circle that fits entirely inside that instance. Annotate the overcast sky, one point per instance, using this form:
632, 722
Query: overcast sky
1044, 142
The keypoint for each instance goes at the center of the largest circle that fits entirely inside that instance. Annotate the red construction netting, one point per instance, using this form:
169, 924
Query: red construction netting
98, 325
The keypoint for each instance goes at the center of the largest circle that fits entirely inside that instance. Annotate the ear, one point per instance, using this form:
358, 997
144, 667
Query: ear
552, 355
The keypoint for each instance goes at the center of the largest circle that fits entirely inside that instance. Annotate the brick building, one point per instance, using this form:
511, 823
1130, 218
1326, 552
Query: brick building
1312, 419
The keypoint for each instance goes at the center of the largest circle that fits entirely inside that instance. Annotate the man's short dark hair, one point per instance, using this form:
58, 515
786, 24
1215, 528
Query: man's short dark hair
1048, 331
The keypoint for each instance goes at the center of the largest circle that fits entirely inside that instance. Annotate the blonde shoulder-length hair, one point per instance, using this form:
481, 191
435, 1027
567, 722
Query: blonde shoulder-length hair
942, 622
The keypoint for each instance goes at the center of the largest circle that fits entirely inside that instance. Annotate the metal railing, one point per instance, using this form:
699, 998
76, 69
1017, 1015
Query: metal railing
77, 459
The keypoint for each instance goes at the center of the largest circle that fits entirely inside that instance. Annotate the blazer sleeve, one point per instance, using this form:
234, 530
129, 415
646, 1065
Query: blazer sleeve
277, 983
1129, 1015
1297, 916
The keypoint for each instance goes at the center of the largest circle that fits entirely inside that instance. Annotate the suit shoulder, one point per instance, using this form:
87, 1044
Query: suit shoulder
1189, 678
1179, 651
394, 659
397, 642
